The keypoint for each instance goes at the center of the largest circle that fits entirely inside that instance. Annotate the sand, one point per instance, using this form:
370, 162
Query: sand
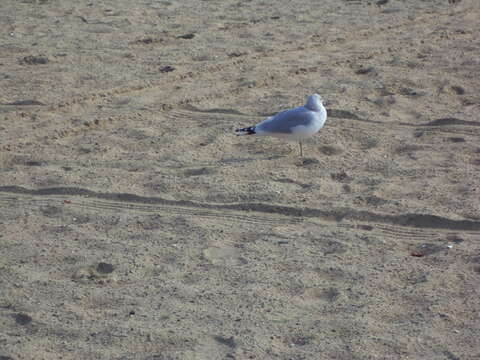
134, 224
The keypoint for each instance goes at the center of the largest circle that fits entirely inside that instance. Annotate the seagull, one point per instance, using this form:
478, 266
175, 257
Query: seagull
293, 124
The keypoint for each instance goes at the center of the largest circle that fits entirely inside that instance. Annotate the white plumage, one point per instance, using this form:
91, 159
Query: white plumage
294, 124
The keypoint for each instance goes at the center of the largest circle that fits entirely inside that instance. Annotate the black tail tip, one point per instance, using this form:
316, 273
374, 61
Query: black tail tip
248, 131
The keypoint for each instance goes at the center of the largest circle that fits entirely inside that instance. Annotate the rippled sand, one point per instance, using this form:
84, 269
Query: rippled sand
134, 224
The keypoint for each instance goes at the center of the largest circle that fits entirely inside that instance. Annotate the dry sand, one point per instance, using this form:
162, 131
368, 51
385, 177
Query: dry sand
135, 225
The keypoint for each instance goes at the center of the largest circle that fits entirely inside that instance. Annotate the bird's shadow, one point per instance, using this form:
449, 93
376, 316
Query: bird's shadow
306, 161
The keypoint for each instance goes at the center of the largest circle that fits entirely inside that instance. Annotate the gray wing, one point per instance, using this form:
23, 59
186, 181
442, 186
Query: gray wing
283, 122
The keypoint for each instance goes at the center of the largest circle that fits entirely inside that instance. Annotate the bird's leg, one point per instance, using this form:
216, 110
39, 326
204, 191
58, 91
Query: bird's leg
301, 149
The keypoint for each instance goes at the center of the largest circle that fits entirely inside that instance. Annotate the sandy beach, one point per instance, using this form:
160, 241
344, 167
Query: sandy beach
134, 224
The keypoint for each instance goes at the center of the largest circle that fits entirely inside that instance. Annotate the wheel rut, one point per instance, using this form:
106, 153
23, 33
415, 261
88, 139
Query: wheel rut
116, 201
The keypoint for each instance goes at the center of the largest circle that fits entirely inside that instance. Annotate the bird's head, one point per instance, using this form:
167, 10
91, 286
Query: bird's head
314, 102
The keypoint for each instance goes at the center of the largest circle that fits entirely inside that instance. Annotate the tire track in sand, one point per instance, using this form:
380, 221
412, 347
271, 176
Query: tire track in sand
115, 201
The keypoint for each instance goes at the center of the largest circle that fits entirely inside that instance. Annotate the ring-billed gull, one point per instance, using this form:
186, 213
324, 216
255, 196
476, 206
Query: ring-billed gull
293, 124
